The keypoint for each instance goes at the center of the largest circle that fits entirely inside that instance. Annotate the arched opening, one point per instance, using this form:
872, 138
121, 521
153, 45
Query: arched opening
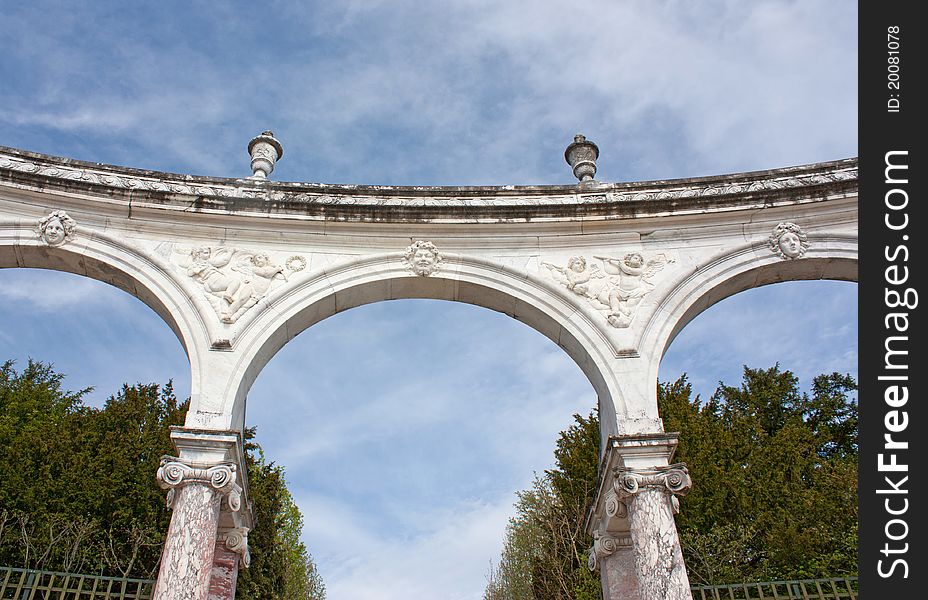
109, 261
78, 491
809, 327
405, 427
472, 281
777, 454
96, 334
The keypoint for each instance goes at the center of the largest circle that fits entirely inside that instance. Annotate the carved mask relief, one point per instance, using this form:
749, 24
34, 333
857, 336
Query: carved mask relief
422, 258
788, 241
56, 228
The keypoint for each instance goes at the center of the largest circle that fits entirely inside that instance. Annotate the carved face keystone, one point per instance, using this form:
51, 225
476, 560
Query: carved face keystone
423, 260
790, 244
54, 232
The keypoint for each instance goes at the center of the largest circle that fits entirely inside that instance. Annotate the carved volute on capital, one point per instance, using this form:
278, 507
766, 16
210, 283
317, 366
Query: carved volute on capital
175, 473
616, 509
605, 545
674, 479
236, 540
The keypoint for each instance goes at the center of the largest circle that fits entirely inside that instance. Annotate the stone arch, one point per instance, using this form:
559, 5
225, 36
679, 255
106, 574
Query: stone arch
109, 260
470, 280
831, 256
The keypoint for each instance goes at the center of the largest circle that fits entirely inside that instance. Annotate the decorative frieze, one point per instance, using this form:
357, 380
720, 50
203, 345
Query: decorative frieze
617, 289
422, 258
234, 280
252, 188
788, 241
176, 472
56, 229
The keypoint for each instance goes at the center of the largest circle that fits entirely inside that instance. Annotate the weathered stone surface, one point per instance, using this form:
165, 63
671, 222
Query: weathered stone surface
659, 566
618, 575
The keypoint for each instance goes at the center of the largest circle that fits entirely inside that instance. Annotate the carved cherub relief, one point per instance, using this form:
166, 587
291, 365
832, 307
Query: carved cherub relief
617, 289
578, 278
233, 280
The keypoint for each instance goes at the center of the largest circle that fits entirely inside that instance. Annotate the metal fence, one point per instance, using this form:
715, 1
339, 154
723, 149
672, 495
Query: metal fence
29, 584
803, 589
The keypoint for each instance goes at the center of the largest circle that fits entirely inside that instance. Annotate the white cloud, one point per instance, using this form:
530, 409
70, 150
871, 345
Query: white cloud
53, 291
464, 92
450, 560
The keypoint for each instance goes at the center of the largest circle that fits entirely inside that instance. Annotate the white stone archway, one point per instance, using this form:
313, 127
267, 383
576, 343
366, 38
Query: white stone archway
532, 300
610, 272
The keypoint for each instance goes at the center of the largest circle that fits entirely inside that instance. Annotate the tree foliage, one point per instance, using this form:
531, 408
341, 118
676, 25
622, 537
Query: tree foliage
775, 477
544, 555
774, 493
78, 490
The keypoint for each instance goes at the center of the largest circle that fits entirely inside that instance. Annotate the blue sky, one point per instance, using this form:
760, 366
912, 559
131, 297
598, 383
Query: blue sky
406, 427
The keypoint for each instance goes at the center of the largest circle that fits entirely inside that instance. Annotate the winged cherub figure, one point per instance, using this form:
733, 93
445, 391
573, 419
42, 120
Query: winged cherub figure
628, 284
237, 287
577, 277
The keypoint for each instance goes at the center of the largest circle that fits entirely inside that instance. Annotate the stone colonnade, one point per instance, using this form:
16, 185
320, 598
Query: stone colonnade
636, 548
610, 272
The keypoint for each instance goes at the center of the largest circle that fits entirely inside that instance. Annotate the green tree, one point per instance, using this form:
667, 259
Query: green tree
775, 476
774, 493
78, 492
283, 568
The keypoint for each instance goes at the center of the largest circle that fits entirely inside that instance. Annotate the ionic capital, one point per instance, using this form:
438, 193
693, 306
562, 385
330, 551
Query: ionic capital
175, 473
605, 545
674, 479
236, 540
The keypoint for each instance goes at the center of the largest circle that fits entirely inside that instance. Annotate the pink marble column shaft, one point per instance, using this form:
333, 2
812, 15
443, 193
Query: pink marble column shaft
659, 564
187, 559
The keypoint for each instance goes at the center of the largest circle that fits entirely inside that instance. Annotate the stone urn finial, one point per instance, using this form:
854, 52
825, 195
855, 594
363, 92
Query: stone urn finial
581, 155
265, 151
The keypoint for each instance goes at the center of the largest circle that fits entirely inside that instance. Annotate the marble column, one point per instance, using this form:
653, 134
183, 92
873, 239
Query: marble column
195, 494
231, 552
207, 492
636, 548
649, 496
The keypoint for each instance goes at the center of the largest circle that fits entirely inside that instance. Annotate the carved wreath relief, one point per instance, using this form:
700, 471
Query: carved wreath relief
56, 229
234, 280
788, 241
617, 289
423, 258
